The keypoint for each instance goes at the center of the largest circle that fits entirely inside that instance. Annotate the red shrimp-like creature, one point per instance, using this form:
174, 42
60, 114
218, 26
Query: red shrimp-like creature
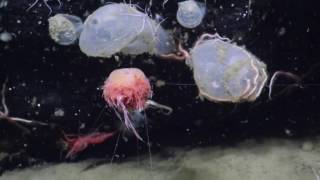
76, 144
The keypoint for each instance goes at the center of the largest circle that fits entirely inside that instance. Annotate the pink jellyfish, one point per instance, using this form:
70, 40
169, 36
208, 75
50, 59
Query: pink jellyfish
127, 90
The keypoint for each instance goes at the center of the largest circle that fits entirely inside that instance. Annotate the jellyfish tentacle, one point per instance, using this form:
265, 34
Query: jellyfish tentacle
47, 5
60, 3
45, 2
286, 74
181, 55
32, 5
165, 109
128, 122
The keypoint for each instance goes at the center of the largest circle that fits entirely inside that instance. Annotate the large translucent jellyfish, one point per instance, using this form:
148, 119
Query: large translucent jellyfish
128, 91
65, 29
120, 27
225, 72
190, 13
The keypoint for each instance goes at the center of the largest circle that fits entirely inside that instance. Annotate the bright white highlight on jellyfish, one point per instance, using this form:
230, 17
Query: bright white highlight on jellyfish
122, 28
225, 72
65, 29
190, 13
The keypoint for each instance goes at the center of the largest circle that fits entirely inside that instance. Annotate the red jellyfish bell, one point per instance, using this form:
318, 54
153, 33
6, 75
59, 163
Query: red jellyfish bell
127, 90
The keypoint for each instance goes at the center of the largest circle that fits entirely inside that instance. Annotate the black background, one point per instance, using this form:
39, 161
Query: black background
62, 77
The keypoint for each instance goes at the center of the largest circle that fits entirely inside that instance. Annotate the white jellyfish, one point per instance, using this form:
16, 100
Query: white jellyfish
190, 13
65, 29
225, 72
120, 27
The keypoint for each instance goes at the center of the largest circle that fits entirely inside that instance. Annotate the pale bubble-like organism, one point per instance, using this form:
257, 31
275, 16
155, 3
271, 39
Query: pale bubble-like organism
65, 29
120, 27
190, 13
225, 72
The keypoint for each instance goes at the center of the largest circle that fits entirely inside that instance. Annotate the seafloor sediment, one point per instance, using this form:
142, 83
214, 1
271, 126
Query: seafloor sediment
251, 160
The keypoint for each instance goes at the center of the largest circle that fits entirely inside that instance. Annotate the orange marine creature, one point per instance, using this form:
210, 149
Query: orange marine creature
128, 91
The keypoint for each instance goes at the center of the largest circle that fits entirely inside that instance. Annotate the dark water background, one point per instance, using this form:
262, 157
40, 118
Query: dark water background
61, 77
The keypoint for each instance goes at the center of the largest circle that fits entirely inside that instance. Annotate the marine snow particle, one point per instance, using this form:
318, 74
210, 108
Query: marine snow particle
225, 72
190, 13
5, 36
65, 29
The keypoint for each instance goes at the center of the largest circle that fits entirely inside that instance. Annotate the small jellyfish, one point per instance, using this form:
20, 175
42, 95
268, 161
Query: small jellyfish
225, 72
65, 29
190, 13
127, 91
120, 27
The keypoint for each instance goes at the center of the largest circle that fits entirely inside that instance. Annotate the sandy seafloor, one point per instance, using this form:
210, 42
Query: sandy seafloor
269, 160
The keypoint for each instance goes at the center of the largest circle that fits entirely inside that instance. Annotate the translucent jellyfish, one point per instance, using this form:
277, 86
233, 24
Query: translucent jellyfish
128, 91
120, 27
225, 72
65, 29
190, 13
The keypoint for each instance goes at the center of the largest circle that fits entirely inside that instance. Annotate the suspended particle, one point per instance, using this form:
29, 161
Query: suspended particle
5, 36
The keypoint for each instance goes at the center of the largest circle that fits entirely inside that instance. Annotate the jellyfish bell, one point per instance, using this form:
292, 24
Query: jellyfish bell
190, 13
106, 30
65, 29
128, 87
153, 40
120, 27
127, 91
225, 72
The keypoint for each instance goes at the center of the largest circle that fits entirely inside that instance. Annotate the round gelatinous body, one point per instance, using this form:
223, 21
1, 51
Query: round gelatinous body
128, 86
117, 28
225, 72
190, 13
65, 29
